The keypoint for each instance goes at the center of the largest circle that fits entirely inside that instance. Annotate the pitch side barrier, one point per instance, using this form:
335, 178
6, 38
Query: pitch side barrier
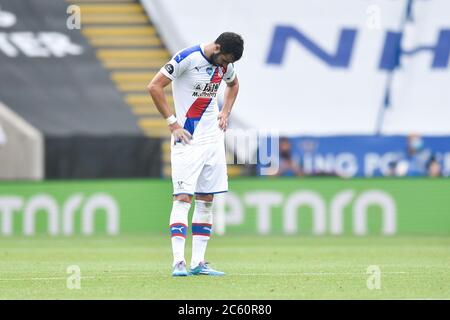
257, 206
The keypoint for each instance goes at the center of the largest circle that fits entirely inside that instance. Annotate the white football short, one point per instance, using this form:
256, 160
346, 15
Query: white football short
199, 168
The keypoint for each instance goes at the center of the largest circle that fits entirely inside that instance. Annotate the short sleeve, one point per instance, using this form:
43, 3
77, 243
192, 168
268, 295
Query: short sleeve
230, 74
174, 69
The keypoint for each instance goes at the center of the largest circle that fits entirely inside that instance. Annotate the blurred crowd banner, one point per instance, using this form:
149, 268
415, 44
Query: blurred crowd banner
291, 206
362, 156
327, 67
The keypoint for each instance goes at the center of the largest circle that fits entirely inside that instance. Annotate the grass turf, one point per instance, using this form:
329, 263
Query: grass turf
138, 267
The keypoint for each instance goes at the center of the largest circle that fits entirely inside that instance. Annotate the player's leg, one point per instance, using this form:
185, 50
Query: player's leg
213, 179
202, 220
178, 230
186, 167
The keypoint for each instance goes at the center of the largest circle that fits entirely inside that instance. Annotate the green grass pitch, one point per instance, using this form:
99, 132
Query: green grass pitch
275, 267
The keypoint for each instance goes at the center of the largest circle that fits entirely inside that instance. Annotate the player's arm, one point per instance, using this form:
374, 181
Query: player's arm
231, 92
156, 91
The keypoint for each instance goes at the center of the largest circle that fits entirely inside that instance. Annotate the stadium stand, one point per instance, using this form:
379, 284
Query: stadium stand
70, 97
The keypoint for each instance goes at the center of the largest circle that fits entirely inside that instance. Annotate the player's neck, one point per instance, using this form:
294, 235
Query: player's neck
209, 50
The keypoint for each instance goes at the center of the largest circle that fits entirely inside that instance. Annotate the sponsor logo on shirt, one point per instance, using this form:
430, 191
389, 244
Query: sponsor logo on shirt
205, 90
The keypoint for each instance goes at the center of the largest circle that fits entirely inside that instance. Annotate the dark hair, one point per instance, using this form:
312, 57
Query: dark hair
231, 42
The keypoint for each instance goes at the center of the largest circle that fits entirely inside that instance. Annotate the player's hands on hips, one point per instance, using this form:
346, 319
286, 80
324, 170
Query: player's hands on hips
180, 134
223, 120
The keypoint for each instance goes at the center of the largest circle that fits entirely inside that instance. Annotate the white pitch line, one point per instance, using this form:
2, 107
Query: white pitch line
313, 273
229, 274
81, 278
41, 278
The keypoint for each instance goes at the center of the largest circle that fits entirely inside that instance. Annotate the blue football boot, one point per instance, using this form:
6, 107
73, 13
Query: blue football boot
204, 269
179, 269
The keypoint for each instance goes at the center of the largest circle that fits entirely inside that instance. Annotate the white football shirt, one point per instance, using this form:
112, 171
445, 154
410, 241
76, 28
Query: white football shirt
195, 86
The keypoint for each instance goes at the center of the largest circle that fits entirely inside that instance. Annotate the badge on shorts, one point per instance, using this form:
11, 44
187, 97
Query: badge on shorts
169, 68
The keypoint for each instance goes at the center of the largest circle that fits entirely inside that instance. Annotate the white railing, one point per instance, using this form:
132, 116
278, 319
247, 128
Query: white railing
22, 150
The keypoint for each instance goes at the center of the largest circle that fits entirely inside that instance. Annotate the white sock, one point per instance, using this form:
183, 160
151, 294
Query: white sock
201, 230
199, 244
178, 249
178, 228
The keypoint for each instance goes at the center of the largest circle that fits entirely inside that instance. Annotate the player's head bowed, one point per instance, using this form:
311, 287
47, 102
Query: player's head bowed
229, 48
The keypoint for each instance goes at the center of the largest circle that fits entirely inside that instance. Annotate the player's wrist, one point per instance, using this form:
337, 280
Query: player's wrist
171, 120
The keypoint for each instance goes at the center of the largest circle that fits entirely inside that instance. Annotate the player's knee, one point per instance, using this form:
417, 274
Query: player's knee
205, 197
183, 197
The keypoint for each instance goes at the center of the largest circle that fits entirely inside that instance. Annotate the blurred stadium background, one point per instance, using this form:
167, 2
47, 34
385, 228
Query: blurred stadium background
356, 90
